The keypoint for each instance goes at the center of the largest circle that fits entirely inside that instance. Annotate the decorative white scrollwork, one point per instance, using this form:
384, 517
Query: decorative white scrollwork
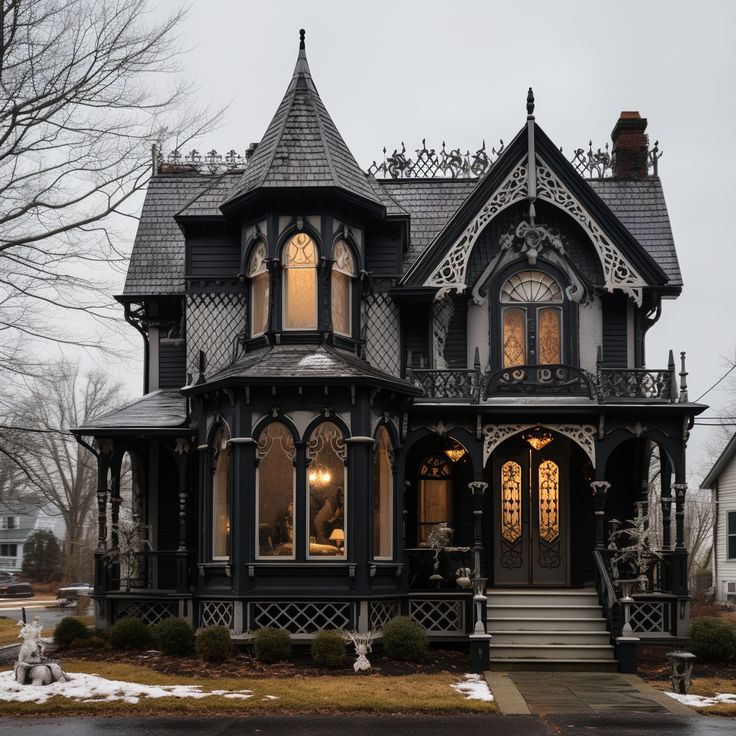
582, 435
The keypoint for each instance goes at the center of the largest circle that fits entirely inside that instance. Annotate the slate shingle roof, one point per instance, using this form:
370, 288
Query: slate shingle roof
162, 409
302, 147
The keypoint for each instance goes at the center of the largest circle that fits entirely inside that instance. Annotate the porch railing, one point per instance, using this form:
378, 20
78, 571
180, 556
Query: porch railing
625, 384
607, 595
163, 570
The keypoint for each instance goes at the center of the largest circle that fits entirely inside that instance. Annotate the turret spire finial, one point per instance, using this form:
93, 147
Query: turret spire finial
530, 102
302, 33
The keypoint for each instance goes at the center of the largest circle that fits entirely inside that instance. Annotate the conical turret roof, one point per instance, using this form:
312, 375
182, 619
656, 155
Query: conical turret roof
302, 148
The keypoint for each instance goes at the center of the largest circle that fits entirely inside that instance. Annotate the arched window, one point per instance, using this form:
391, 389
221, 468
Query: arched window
300, 283
221, 496
259, 290
275, 453
343, 272
383, 496
435, 495
326, 485
531, 319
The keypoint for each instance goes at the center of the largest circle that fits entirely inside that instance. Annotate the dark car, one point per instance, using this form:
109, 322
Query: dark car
15, 590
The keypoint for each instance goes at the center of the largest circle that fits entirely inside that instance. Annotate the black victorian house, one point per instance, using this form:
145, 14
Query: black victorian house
368, 393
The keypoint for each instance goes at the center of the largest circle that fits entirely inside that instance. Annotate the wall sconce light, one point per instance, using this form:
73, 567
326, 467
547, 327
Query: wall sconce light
456, 453
538, 438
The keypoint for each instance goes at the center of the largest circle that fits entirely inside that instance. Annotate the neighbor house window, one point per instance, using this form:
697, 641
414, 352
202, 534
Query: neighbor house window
343, 271
300, 283
9, 522
732, 535
275, 453
259, 289
221, 496
8, 550
383, 495
435, 495
326, 481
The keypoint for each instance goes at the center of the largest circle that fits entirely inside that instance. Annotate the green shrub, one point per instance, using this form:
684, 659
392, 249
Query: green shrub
405, 640
129, 633
174, 637
328, 649
713, 639
68, 631
213, 644
272, 645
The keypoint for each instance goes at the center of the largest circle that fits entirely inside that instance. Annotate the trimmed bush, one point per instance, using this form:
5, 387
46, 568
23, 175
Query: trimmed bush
272, 645
405, 640
328, 649
174, 637
213, 644
129, 633
713, 639
68, 631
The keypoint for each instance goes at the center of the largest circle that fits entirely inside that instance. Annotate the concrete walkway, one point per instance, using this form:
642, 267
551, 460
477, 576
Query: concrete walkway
535, 693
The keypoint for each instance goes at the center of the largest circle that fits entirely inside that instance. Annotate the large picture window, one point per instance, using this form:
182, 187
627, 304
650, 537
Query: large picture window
221, 496
435, 496
343, 271
383, 495
300, 283
275, 453
259, 290
326, 483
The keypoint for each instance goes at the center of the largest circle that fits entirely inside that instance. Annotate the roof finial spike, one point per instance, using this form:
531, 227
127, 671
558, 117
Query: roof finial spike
302, 33
530, 102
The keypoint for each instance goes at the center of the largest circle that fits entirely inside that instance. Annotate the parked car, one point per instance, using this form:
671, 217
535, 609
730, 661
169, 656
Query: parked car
74, 590
16, 590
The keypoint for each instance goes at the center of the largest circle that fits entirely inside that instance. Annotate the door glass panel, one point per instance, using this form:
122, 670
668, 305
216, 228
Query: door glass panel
549, 501
548, 336
514, 337
511, 501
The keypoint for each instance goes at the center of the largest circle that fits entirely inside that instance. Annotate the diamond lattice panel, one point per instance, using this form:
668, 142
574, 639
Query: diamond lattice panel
381, 333
213, 323
303, 617
648, 617
381, 612
148, 612
438, 616
216, 613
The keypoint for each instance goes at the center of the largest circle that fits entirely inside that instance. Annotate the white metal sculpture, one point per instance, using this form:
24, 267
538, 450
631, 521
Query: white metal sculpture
33, 667
363, 643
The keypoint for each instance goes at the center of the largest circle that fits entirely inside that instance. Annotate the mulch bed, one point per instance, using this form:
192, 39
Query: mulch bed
244, 665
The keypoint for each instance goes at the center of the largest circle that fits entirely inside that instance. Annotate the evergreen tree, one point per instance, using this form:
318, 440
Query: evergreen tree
42, 556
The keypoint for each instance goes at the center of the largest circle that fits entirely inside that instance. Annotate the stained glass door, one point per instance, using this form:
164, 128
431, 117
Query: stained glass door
530, 529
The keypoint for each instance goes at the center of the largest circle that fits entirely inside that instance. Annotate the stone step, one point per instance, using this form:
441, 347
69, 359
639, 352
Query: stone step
555, 665
527, 611
505, 597
563, 652
500, 623
549, 638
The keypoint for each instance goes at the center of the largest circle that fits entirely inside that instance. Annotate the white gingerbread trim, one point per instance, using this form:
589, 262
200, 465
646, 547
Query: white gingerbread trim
582, 435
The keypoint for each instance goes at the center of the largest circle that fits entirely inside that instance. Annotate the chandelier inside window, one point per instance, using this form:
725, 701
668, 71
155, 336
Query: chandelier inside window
538, 438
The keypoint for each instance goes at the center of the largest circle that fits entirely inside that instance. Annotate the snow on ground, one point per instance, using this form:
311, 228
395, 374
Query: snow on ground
473, 687
700, 701
91, 688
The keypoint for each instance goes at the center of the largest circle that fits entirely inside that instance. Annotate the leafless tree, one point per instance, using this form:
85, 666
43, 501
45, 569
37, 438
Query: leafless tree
86, 86
55, 466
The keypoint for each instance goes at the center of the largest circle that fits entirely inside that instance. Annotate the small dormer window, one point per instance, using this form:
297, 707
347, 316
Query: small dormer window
300, 283
259, 290
343, 272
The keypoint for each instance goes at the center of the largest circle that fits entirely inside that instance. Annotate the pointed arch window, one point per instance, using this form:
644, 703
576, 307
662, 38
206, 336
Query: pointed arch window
531, 319
326, 484
221, 495
275, 484
299, 259
343, 273
383, 496
259, 289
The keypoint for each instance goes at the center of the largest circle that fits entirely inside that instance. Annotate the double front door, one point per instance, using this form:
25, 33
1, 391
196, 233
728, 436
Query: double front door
530, 514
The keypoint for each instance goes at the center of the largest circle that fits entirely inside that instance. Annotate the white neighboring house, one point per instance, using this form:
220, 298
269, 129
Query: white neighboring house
721, 480
18, 521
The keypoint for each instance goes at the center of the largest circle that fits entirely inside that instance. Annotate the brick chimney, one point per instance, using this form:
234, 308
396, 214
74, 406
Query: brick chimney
630, 146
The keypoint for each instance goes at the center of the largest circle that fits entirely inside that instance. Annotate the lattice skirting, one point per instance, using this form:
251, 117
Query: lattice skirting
217, 613
150, 612
439, 616
650, 617
302, 618
380, 612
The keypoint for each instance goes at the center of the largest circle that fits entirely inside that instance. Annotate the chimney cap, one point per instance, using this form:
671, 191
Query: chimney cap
629, 114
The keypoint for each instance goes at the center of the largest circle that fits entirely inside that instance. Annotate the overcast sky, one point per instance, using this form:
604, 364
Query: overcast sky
459, 71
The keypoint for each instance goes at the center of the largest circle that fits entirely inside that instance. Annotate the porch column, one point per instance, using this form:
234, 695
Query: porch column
478, 489
115, 501
181, 454
103, 449
665, 484
680, 492
600, 491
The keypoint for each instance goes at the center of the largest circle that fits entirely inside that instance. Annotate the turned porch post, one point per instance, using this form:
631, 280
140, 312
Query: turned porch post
665, 484
181, 453
600, 491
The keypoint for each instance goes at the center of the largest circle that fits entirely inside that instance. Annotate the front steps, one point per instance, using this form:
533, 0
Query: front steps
554, 629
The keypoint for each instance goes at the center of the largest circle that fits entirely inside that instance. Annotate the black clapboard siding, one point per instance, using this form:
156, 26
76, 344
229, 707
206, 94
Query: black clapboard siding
209, 257
384, 249
615, 343
415, 328
456, 345
171, 364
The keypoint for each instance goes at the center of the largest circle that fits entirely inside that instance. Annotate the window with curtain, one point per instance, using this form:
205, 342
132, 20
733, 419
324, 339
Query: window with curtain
435, 496
221, 496
326, 486
275, 453
259, 289
383, 496
300, 283
343, 272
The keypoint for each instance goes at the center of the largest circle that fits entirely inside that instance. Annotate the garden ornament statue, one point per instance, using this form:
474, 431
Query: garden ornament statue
363, 645
33, 667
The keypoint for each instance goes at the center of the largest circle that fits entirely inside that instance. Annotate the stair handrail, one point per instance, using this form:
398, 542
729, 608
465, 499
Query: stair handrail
607, 595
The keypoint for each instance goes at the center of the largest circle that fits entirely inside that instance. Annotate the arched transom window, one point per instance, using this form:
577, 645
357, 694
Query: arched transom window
259, 289
343, 271
300, 283
531, 317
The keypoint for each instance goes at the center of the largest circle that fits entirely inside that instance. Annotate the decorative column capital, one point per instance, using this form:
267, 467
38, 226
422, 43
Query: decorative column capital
600, 491
478, 487
680, 490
